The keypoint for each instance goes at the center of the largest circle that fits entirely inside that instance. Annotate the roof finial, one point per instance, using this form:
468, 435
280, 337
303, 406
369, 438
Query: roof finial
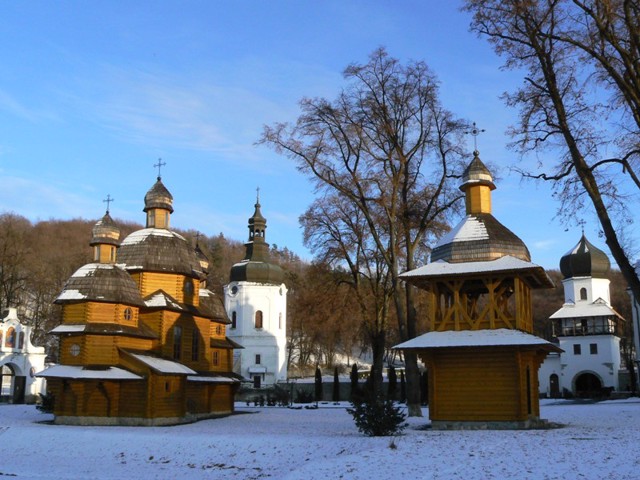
108, 200
159, 165
581, 222
257, 195
475, 131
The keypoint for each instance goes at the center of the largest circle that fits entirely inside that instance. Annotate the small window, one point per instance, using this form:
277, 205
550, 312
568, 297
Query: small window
113, 254
195, 345
216, 358
128, 314
167, 386
233, 319
96, 251
177, 342
583, 293
10, 342
151, 220
576, 349
21, 340
188, 287
258, 359
593, 348
218, 329
259, 319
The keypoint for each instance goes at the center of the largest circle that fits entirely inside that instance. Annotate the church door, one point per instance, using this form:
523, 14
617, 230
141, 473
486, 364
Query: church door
256, 381
6, 383
554, 386
19, 385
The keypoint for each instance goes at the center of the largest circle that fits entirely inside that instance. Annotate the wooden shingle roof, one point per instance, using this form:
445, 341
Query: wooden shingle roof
158, 250
100, 282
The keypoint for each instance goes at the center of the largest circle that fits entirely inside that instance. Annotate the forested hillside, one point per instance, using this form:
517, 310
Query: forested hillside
324, 320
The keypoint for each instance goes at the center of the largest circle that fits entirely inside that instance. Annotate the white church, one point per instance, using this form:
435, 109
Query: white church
256, 302
587, 327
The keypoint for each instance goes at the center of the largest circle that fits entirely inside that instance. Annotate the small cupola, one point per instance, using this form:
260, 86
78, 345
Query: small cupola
477, 184
585, 260
158, 205
105, 240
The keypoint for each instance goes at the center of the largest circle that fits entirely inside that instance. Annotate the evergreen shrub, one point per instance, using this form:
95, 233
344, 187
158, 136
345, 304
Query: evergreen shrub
376, 416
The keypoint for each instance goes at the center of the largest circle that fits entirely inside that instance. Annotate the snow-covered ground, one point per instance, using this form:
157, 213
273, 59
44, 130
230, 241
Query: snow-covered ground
599, 441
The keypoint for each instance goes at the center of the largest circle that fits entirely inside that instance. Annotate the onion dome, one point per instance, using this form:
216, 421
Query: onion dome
585, 260
105, 232
256, 267
158, 197
158, 250
100, 282
477, 173
479, 237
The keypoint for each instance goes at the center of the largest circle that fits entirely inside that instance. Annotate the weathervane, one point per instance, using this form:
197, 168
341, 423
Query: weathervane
108, 200
475, 131
159, 165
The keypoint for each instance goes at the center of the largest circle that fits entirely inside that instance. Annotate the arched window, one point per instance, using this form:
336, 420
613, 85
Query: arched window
259, 319
583, 293
233, 319
177, 342
21, 340
10, 342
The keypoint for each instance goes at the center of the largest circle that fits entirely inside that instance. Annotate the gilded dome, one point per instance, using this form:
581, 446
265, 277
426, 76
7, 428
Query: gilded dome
585, 260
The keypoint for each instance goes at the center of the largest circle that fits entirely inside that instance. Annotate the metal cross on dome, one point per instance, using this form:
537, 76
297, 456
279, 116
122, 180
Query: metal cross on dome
474, 132
108, 201
159, 165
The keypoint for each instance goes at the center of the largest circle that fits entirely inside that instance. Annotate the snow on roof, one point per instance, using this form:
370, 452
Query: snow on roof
473, 338
163, 366
218, 379
470, 228
70, 371
71, 294
583, 309
69, 329
141, 235
506, 263
89, 268
160, 299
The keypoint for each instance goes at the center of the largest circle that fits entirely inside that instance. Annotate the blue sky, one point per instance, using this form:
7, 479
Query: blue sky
93, 93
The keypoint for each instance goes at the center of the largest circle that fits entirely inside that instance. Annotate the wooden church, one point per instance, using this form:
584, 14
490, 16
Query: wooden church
481, 356
142, 340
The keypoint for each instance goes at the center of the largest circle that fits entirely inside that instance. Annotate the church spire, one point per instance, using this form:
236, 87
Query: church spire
158, 203
105, 237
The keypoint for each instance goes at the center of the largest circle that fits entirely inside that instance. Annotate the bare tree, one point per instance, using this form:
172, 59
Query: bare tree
387, 147
580, 100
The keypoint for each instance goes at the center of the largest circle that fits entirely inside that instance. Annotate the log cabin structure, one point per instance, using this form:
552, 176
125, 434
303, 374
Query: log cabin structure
142, 340
481, 356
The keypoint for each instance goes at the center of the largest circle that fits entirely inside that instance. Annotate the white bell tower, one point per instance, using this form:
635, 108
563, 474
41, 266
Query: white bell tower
256, 302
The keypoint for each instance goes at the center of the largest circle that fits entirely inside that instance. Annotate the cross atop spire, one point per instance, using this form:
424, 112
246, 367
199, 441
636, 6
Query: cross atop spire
257, 195
475, 131
161, 164
108, 200
582, 223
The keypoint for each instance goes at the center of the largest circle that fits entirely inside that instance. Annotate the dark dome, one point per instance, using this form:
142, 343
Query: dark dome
101, 283
158, 197
259, 272
105, 231
158, 250
479, 238
585, 260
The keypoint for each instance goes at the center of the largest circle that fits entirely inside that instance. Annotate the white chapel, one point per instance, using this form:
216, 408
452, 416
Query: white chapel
256, 302
587, 327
